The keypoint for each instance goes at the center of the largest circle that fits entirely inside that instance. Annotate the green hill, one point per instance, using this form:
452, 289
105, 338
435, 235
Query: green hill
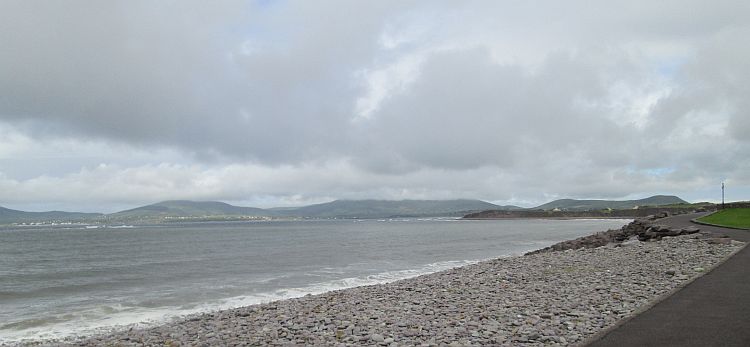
8, 216
214, 210
334, 209
587, 205
391, 208
185, 208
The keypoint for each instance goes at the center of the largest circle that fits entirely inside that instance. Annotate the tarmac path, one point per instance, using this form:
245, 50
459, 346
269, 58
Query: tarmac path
714, 310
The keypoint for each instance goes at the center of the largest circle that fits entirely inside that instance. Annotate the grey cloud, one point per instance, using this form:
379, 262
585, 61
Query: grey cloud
130, 72
466, 111
507, 95
172, 74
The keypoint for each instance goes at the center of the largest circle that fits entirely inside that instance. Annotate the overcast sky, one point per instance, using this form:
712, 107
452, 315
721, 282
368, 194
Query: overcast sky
106, 105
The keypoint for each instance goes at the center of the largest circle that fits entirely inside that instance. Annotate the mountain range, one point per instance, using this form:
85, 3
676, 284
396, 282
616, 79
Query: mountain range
389, 208
587, 205
185, 208
335, 209
8, 216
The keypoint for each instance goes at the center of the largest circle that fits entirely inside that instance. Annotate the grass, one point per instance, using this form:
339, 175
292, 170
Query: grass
732, 217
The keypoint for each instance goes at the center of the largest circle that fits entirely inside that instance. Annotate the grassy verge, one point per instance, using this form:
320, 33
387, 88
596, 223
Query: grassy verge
733, 217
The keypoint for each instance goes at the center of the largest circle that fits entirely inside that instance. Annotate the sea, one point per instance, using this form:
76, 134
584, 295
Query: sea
70, 280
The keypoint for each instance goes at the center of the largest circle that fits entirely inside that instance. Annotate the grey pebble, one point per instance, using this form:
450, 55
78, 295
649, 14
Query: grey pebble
541, 299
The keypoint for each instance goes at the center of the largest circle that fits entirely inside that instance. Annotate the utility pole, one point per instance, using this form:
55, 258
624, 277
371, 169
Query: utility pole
722, 195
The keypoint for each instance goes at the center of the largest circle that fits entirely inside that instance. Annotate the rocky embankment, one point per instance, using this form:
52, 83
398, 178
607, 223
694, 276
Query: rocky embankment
543, 299
629, 213
644, 229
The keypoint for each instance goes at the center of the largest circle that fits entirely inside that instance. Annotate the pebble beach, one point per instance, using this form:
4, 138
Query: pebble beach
546, 299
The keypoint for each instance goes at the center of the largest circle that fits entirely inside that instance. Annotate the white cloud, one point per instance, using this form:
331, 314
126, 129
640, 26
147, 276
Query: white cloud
302, 102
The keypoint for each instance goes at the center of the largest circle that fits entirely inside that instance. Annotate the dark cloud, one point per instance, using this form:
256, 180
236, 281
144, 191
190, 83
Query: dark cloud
566, 98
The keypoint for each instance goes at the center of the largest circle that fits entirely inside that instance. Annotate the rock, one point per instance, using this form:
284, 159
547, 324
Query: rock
690, 230
536, 298
648, 232
720, 241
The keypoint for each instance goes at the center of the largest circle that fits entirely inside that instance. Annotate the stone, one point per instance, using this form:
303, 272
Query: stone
720, 241
536, 298
690, 230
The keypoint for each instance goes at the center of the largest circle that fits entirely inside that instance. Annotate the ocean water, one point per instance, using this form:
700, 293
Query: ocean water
73, 280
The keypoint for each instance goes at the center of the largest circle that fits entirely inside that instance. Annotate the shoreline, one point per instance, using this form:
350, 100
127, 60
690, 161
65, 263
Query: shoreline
546, 218
87, 320
536, 299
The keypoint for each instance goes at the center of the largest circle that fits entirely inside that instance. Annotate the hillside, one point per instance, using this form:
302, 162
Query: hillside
334, 209
588, 205
185, 208
8, 216
214, 210
390, 208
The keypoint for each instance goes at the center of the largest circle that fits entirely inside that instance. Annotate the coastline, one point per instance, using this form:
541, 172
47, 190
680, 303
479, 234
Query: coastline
552, 298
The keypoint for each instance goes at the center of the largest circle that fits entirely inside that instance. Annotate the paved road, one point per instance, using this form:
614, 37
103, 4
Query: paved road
714, 310
685, 220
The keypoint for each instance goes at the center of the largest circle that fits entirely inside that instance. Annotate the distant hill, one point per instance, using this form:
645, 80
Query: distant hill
587, 205
8, 216
334, 209
211, 210
185, 208
510, 208
390, 208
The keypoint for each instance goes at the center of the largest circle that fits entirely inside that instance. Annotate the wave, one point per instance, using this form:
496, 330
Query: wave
105, 318
338, 284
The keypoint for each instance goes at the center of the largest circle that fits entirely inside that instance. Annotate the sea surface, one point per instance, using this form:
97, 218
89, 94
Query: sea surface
59, 281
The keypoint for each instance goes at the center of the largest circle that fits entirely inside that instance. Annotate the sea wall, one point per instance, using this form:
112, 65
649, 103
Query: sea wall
629, 213
642, 229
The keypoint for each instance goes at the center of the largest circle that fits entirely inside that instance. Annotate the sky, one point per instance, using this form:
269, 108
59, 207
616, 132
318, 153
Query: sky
108, 105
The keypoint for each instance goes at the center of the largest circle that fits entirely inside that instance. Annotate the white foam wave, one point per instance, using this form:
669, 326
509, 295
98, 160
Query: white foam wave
112, 317
322, 287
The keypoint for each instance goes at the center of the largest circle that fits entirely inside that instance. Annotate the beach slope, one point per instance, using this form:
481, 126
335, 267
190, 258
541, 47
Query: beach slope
557, 298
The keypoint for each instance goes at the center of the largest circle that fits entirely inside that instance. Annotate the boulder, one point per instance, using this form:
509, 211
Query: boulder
657, 231
642, 228
720, 241
690, 230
